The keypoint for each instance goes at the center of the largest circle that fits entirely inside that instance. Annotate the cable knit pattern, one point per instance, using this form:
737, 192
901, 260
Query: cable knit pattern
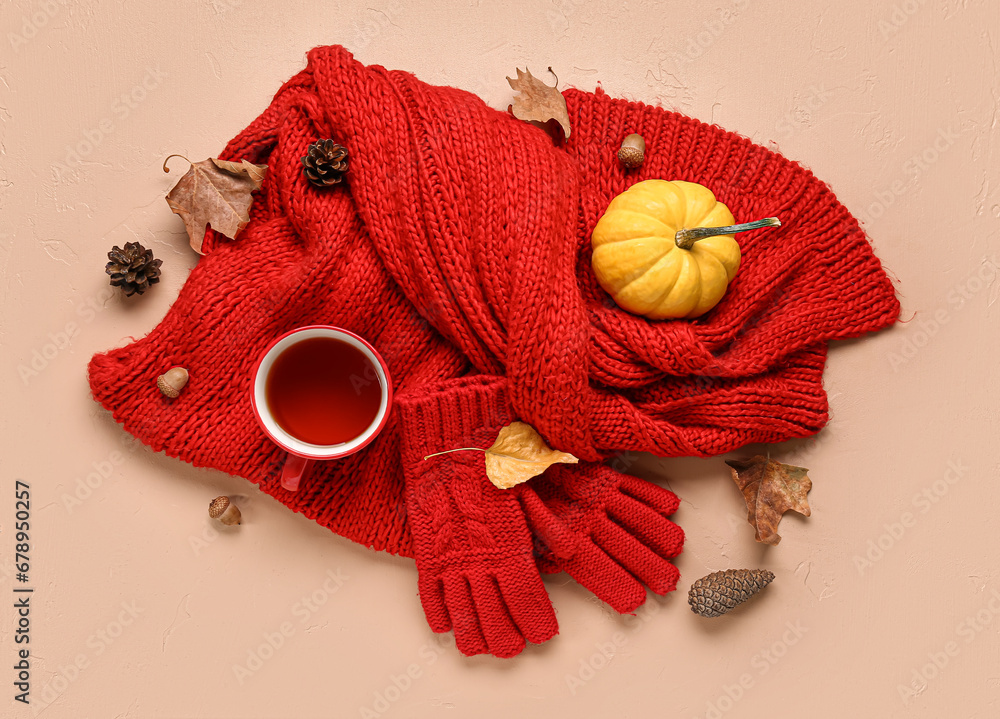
475, 559
461, 242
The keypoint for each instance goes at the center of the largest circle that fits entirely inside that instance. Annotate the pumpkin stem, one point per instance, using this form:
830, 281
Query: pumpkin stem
686, 238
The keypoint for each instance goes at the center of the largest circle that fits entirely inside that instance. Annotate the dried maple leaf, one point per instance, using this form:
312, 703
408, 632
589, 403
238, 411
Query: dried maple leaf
518, 454
770, 489
244, 167
217, 193
538, 102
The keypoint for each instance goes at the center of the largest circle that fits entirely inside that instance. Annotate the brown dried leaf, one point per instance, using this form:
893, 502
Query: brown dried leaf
538, 102
244, 167
770, 489
217, 193
518, 454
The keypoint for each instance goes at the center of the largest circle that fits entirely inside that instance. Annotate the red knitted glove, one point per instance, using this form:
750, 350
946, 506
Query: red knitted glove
607, 530
474, 554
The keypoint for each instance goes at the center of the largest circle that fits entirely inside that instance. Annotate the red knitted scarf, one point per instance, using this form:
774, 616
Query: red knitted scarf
461, 243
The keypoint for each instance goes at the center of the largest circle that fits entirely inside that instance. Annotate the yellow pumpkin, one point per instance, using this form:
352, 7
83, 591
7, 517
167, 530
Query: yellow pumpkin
650, 258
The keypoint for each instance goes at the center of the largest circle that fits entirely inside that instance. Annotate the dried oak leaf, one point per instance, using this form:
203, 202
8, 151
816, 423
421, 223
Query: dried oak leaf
518, 454
217, 193
770, 489
538, 103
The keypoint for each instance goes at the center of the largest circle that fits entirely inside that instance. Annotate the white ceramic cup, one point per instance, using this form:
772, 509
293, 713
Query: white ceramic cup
302, 454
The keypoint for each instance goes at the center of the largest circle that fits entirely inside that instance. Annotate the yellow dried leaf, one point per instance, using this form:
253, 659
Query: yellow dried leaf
518, 454
537, 102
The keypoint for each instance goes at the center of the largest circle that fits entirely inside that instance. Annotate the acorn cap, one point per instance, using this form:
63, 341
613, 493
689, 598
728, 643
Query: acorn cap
217, 506
172, 381
633, 151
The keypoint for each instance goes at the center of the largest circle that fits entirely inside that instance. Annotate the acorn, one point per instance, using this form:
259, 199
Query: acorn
172, 381
633, 151
224, 510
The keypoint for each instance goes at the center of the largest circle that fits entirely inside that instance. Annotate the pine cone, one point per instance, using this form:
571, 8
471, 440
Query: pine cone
720, 592
133, 269
325, 163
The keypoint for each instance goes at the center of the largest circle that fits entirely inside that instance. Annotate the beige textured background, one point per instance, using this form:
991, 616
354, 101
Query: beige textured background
886, 601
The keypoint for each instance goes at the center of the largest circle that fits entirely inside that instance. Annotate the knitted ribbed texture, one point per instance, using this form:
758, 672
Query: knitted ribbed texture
461, 238
499, 260
477, 572
276, 277
607, 530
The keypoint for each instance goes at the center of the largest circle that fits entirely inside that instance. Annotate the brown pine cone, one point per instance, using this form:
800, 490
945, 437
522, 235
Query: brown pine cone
133, 268
719, 592
325, 163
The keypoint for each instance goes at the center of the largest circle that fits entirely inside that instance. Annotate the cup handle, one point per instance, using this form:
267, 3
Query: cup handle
292, 471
